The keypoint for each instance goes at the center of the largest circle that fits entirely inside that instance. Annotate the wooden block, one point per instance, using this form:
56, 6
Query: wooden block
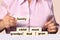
22, 29
35, 29
43, 33
15, 33
29, 33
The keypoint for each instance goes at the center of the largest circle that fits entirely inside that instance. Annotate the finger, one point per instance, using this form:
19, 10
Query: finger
6, 20
48, 22
6, 17
12, 18
51, 30
7, 24
52, 27
12, 22
51, 24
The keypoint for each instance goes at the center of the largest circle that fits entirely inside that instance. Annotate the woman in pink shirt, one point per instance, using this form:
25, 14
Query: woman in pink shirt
35, 13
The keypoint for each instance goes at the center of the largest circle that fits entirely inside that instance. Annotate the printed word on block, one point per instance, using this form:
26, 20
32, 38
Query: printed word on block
22, 29
35, 29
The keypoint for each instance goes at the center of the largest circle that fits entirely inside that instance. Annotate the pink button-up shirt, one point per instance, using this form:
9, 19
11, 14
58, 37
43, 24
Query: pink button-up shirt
36, 14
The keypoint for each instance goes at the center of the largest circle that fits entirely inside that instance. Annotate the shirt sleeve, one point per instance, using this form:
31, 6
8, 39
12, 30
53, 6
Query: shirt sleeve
51, 16
4, 7
50, 5
3, 12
